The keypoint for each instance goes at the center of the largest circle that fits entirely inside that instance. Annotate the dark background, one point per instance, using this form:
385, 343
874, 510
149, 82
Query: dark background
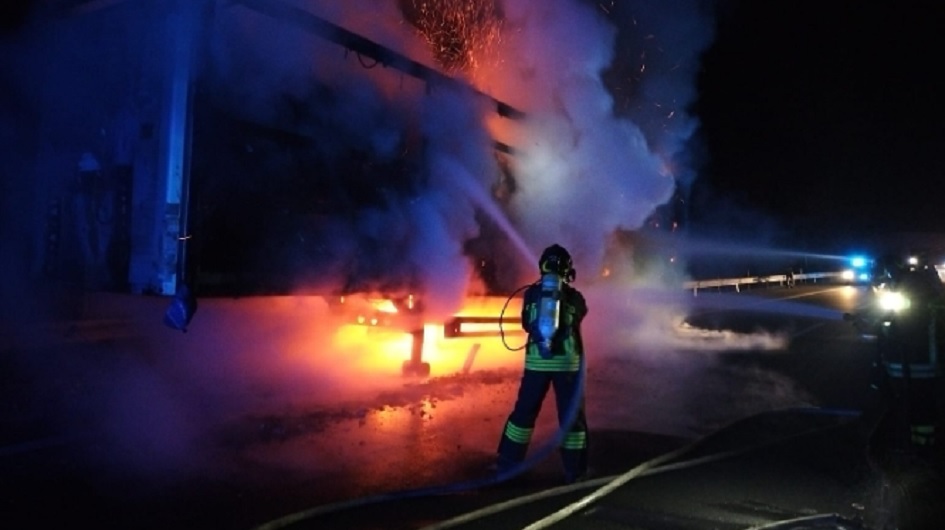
825, 115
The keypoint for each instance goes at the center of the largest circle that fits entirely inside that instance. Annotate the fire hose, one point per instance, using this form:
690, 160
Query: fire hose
539, 455
660, 464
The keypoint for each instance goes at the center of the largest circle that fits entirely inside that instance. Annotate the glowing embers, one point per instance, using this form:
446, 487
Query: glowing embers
401, 417
378, 312
389, 335
374, 310
460, 33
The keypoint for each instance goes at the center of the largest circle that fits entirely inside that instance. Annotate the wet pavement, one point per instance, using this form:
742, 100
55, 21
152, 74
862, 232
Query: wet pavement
275, 412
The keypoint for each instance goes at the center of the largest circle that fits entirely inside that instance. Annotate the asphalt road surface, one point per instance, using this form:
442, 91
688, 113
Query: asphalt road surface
283, 412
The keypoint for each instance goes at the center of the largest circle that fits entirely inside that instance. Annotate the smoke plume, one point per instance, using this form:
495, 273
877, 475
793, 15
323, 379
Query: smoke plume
581, 166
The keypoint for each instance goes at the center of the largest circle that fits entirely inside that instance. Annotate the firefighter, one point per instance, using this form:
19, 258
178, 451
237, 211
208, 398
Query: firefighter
911, 358
552, 312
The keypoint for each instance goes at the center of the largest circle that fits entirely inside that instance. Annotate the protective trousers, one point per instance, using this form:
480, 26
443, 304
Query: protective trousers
917, 400
521, 422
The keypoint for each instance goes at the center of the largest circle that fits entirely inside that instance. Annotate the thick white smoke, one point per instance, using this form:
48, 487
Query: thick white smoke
580, 171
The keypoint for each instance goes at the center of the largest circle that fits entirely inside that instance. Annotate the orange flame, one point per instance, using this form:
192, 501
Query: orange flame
377, 349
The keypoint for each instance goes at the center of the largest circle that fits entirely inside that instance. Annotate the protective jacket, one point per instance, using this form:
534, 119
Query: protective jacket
567, 345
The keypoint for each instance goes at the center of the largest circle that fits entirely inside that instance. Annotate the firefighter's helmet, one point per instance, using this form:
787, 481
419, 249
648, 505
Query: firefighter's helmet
556, 259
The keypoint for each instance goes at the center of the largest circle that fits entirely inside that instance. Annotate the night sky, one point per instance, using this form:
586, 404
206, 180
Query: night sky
826, 114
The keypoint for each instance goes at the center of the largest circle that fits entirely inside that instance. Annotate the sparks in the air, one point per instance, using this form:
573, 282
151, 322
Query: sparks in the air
461, 34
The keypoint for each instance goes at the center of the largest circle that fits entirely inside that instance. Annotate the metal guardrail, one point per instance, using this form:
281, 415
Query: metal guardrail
748, 281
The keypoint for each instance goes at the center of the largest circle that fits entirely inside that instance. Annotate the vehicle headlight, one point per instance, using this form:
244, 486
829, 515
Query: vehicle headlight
893, 301
848, 275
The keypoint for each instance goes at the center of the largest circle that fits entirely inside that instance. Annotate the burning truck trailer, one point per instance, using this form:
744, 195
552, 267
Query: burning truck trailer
300, 241
288, 154
303, 200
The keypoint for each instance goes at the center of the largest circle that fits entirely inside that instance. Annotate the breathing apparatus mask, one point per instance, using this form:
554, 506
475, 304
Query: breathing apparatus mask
556, 269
